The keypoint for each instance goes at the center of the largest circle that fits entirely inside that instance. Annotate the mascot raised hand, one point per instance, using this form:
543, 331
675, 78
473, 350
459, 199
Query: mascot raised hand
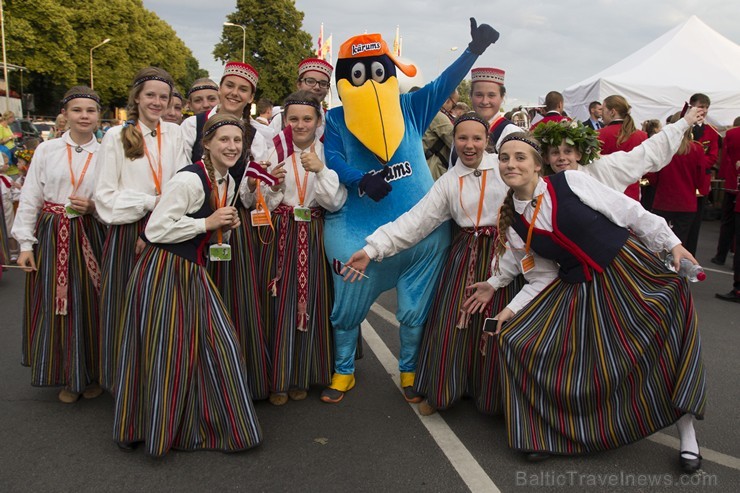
374, 143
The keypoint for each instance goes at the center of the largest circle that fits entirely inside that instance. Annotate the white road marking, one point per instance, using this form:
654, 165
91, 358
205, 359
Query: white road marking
661, 438
716, 271
459, 456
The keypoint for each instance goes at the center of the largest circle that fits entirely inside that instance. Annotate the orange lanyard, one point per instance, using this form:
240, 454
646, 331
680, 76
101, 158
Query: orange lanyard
531, 224
301, 189
480, 201
76, 183
220, 202
158, 174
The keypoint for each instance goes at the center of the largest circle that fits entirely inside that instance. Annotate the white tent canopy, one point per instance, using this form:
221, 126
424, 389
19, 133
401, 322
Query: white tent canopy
657, 79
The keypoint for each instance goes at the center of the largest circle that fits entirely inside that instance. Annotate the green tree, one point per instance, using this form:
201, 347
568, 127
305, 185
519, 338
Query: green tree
275, 43
52, 38
464, 90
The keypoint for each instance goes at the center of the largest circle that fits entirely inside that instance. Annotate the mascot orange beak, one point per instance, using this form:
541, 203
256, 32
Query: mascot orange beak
373, 115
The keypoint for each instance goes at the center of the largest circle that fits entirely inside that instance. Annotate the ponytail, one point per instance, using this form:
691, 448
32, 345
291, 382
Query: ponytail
622, 107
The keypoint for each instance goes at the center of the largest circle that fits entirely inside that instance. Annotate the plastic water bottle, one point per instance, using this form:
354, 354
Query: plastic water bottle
692, 272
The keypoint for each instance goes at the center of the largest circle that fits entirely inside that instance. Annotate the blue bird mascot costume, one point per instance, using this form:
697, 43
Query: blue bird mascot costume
373, 142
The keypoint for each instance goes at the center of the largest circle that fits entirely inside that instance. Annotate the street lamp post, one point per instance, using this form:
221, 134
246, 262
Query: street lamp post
5, 61
92, 83
244, 38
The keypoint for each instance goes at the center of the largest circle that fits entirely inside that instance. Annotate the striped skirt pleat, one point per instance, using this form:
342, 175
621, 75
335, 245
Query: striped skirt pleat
62, 349
119, 258
299, 359
237, 282
451, 362
596, 365
182, 382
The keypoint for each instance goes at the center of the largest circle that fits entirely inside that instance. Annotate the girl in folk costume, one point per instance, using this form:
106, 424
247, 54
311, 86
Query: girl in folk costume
182, 381
454, 351
600, 310
620, 133
237, 279
570, 145
676, 186
56, 214
299, 303
136, 159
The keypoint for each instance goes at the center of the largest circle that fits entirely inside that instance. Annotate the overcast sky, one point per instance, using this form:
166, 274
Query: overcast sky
544, 45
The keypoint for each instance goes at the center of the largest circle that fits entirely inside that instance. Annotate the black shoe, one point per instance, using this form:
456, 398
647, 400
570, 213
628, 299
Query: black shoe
717, 261
690, 462
127, 446
733, 295
537, 456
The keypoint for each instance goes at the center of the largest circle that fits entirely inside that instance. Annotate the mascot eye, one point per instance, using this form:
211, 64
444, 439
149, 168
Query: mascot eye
378, 71
358, 74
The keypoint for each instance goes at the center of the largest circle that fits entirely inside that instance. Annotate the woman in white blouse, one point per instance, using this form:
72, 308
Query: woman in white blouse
61, 240
136, 161
297, 281
601, 348
182, 381
455, 358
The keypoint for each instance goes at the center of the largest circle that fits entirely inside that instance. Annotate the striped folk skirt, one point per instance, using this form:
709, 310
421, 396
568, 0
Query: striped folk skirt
182, 382
596, 365
237, 282
62, 349
298, 300
456, 358
118, 260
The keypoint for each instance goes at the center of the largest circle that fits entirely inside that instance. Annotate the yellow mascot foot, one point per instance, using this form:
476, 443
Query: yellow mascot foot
407, 384
339, 385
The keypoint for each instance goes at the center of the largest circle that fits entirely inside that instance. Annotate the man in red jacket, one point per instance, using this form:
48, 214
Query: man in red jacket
708, 137
553, 109
729, 173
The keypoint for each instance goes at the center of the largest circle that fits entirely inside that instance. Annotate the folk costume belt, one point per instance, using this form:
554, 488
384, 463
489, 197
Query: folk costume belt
286, 212
464, 319
63, 234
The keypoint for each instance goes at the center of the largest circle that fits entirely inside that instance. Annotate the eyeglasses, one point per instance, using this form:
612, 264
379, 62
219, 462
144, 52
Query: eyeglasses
310, 82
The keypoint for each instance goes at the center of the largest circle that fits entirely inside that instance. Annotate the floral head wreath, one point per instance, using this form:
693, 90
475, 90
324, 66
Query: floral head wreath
573, 133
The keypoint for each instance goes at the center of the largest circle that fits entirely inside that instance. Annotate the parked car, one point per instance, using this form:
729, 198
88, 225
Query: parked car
24, 130
44, 128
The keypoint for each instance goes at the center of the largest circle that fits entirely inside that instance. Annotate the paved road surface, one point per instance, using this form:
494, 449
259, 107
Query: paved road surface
372, 441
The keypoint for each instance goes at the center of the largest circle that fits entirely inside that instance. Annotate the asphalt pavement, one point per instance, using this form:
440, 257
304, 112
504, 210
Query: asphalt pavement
371, 441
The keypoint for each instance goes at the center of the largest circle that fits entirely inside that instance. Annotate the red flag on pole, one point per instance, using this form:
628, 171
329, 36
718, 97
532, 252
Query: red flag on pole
283, 143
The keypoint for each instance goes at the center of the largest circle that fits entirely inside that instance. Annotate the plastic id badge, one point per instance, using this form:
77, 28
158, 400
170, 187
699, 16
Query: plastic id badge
71, 211
260, 218
220, 253
527, 263
302, 214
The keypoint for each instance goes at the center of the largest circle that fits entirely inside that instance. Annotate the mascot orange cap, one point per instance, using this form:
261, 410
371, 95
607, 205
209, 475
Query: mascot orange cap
372, 45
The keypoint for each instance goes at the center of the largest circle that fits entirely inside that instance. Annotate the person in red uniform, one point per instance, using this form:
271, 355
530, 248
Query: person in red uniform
553, 109
620, 133
708, 137
676, 184
734, 294
729, 173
